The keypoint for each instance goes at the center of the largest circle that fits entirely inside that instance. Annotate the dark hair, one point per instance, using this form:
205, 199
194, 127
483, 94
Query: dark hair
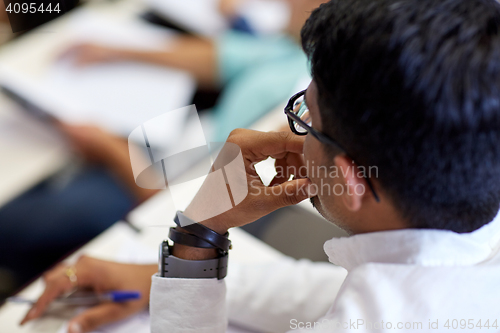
413, 87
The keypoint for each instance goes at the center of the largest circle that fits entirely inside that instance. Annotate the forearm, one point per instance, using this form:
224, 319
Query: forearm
194, 55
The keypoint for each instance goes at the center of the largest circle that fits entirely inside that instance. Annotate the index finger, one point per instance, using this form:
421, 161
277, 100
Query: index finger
258, 146
53, 289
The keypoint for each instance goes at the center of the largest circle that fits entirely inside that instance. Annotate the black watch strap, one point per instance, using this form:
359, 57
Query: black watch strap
173, 267
183, 238
217, 240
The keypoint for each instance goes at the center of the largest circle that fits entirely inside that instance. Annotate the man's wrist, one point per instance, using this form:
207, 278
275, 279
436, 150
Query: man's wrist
193, 253
209, 228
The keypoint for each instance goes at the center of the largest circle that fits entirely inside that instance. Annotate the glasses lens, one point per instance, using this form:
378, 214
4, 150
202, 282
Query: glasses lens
302, 111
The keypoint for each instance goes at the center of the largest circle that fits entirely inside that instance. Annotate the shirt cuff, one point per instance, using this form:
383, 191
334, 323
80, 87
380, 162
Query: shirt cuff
188, 305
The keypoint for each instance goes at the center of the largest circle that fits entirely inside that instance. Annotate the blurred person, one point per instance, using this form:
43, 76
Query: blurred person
68, 210
256, 72
409, 87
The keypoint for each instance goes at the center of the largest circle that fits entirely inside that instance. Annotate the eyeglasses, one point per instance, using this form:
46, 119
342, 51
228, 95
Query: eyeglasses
299, 119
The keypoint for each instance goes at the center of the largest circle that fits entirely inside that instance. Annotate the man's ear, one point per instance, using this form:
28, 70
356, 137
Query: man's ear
353, 181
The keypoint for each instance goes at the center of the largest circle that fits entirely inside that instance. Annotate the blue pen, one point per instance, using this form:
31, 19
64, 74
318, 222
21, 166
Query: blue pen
87, 298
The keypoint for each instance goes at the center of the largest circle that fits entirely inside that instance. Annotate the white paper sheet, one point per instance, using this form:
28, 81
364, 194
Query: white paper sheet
117, 96
138, 323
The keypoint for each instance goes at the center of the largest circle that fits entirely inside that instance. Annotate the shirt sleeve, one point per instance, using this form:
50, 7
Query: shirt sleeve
265, 297
188, 305
268, 297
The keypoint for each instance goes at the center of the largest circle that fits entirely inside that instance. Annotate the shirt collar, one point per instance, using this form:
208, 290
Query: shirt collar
424, 247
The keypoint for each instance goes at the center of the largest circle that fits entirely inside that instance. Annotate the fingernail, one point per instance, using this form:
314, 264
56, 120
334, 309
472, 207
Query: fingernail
75, 328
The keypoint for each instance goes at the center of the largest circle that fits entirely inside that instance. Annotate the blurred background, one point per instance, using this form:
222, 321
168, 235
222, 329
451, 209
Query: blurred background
73, 89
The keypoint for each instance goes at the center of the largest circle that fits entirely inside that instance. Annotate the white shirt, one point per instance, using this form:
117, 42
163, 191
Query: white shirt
411, 280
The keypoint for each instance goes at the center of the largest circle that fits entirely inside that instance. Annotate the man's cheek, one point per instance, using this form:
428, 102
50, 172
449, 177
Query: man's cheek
308, 157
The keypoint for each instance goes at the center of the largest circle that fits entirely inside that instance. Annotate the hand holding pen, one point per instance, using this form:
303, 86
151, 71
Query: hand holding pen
86, 298
108, 280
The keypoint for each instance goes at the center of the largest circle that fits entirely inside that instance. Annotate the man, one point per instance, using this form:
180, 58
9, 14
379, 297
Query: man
410, 87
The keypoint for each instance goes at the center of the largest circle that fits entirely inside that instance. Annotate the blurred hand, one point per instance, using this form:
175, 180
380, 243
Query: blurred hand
261, 200
92, 142
100, 147
88, 53
100, 276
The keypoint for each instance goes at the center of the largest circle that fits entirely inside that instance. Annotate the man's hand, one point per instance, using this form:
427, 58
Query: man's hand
100, 276
261, 200
100, 147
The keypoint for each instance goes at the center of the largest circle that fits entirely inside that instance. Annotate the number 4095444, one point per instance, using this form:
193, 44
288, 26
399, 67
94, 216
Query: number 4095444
32, 7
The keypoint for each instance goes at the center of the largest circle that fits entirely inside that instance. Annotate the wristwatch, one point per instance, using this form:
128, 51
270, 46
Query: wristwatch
173, 267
